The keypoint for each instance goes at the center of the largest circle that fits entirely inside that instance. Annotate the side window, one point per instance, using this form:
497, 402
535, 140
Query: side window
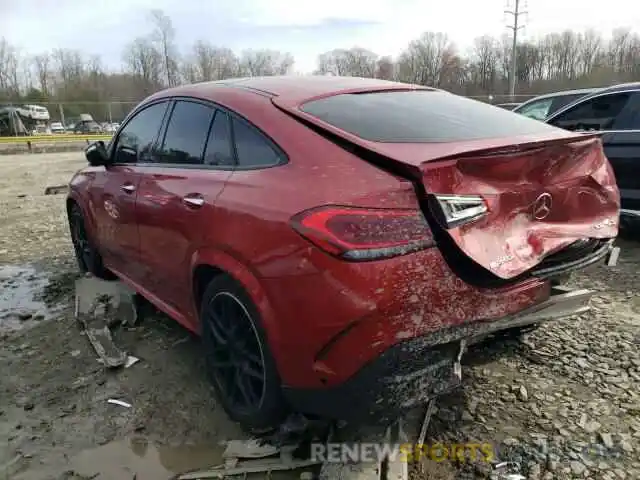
537, 110
186, 134
598, 113
252, 148
631, 119
135, 141
219, 150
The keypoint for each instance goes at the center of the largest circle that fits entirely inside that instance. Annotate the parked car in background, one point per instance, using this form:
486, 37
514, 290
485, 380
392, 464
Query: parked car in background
542, 106
89, 126
507, 106
86, 124
338, 241
110, 127
614, 112
57, 127
34, 112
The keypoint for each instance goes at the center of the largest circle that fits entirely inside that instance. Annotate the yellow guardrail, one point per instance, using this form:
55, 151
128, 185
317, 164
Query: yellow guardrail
62, 137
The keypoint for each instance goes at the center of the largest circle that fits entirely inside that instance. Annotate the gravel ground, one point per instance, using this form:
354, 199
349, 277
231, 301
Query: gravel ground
563, 401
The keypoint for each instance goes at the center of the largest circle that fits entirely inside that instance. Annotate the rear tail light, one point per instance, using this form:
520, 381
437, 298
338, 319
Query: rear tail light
460, 209
360, 234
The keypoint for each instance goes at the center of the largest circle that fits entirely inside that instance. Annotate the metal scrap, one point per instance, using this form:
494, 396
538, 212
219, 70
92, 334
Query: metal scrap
507, 471
119, 402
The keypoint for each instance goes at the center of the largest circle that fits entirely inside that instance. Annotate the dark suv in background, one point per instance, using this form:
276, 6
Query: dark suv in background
615, 112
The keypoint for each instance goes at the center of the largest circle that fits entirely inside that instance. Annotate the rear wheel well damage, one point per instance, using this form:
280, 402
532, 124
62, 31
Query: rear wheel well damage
202, 276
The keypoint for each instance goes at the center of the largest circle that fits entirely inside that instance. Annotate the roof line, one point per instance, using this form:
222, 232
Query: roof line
258, 91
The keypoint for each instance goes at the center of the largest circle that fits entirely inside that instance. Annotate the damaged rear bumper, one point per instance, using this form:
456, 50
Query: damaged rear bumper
412, 371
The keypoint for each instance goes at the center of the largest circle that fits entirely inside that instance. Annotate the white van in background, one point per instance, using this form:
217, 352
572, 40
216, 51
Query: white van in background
34, 112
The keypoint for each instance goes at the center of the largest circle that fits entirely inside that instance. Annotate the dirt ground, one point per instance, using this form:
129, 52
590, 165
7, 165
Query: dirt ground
563, 402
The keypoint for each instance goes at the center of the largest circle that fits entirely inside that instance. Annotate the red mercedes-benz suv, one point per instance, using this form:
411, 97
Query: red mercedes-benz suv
338, 241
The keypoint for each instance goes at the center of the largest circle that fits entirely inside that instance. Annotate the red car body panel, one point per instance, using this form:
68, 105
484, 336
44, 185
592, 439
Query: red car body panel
325, 317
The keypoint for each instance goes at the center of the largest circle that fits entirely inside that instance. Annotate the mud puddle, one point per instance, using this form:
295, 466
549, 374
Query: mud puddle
140, 459
21, 297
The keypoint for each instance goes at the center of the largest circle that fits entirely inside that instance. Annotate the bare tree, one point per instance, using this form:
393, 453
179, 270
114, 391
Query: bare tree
9, 70
144, 63
425, 60
354, 62
164, 36
484, 63
385, 68
208, 62
254, 63
42, 65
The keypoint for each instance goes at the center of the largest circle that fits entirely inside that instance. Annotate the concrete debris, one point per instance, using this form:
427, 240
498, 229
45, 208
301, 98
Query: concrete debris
101, 305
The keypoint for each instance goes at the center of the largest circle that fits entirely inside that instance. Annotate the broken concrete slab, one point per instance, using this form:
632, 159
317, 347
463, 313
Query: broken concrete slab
101, 305
120, 297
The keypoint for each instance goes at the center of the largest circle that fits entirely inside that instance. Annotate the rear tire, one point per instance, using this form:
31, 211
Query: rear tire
87, 255
239, 362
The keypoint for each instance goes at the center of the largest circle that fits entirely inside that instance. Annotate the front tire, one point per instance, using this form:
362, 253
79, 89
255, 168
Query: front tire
239, 362
87, 256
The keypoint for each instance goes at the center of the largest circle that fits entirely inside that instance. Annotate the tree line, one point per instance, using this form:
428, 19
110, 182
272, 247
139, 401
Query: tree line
151, 62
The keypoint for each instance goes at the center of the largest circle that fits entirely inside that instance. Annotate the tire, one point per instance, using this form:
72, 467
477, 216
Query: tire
87, 255
239, 362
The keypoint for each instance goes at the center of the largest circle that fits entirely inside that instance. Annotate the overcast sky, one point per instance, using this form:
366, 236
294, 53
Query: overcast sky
305, 28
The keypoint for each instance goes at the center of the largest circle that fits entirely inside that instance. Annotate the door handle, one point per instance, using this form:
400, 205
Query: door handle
193, 201
128, 188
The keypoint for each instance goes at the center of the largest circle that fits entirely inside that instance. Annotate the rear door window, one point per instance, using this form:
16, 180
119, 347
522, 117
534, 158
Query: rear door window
253, 149
563, 101
186, 134
596, 113
419, 116
219, 147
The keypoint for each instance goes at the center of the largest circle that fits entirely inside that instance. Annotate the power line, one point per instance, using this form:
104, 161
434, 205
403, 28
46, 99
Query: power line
516, 12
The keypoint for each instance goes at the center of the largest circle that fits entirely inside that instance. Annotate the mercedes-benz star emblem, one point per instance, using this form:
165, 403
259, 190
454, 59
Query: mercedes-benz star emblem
542, 206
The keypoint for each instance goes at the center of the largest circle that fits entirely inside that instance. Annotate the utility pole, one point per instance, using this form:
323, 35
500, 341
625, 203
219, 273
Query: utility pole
514, 27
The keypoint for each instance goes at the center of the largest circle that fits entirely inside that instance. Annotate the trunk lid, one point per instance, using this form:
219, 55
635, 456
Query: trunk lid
541, 195
543, 188
540, 198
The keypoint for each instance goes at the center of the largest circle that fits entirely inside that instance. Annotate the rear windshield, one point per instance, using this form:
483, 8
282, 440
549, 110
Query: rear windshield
419, 116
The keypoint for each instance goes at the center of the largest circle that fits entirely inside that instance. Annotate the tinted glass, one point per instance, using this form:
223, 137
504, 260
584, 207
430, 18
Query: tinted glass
563, 101
630, 121
136, 138
219, 150
252, 148
598, 113
187, 133
419, 116
538, 110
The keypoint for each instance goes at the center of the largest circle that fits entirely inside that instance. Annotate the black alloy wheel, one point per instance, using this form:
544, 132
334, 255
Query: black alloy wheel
236, 357
239, 363
89, 259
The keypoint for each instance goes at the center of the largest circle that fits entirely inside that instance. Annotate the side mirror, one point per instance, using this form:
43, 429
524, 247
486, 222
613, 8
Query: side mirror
96, 154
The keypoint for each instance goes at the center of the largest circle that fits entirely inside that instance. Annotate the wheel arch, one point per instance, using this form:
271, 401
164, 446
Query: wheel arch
209, 263
74, 199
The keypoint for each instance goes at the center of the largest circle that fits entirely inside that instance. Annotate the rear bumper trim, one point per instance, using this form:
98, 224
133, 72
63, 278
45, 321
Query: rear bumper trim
580, 263
410, 372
